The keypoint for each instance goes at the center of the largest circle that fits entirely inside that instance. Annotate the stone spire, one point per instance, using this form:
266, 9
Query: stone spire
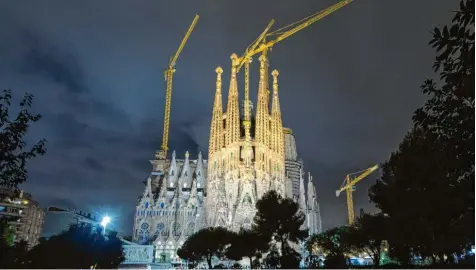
302, 193
216, 126
200, 172
173, 172
186, 175
310, 193
262, 115
233, 107
277, 135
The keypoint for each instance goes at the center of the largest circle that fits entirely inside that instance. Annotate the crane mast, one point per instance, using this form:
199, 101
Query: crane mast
349, 186
169, 72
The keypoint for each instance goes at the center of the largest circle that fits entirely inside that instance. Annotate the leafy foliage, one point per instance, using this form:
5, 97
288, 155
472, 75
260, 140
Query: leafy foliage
206, 244
332, 242
284, 226
272, 259
247, 243
427, 185
13, 153
367, 235
81, 246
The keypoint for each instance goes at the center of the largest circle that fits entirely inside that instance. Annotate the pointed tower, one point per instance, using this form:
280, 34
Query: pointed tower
233, 108
318, 215
302, 194
200, 175
173, 177
262, 115
277, 135
185, 180
216, 126
232, 137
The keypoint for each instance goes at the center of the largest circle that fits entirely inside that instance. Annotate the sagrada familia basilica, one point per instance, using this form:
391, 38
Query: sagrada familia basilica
249, 154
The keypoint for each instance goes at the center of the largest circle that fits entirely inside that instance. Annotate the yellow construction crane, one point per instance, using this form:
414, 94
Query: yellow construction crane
260, 45
349, 186
168, 96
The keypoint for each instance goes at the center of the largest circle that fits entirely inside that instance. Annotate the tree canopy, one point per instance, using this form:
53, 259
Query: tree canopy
367, 235
13, 152
334, 244
427, 185
283, 226
247, 243
206, 244
81, 246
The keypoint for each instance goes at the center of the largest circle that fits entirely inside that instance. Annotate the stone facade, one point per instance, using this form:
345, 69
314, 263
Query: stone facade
171, 207
294, 171
250, 153
26, 213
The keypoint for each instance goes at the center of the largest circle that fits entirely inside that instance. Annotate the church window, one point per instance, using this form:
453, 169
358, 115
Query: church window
162, 205
160, 227
172, 173
165, 231
177, 229
144, 226
190, 229
199, 174
146, 204
186, 174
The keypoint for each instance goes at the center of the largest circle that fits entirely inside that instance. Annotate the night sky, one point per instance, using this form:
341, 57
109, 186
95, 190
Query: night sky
348, 87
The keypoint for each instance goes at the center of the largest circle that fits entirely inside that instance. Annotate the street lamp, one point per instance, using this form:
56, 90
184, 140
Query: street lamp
104, 222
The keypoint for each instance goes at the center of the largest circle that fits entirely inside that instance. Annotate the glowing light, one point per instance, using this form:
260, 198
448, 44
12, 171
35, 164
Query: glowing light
105, 220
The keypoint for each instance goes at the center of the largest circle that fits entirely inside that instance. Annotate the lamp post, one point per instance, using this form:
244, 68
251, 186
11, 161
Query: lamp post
104, 222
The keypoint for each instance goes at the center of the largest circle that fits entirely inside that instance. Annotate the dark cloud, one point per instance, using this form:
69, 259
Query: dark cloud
50, 63
93, 164
68, 127
348, 87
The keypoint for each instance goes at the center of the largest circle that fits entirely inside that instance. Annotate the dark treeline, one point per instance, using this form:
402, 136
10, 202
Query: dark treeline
81, 246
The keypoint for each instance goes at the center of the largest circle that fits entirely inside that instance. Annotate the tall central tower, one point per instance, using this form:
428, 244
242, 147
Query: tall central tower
246, 152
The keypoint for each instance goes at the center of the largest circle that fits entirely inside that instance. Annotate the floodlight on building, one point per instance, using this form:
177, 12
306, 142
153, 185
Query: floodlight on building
105, 220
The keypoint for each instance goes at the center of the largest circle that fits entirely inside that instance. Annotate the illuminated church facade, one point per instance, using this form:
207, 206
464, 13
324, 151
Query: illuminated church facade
250, 153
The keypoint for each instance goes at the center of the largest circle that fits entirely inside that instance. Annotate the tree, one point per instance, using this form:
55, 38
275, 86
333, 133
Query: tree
334, 243
13, 153
367, 234
272, 259
206, 244
283, 226
12, 255
81, 246
247, 243
449, 113
427, 185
